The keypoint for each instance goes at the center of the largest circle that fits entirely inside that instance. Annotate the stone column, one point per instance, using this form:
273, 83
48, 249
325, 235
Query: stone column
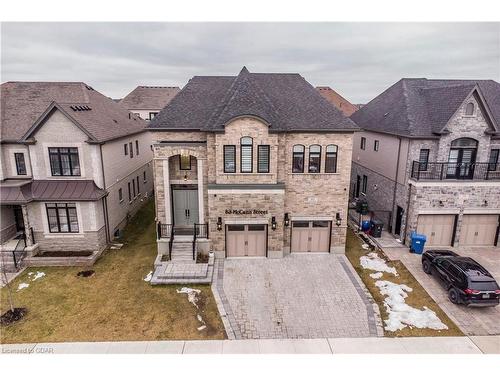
166, 189
27, 227
199, 174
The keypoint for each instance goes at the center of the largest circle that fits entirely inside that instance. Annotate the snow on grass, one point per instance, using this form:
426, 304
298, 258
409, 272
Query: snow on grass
372, 262
376, 275
192, 294
401, 314
22, 286
365, 246
37, 275
148, 276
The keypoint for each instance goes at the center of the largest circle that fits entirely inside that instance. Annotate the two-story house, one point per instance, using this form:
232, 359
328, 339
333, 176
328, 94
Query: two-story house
428, 160
147, 101
259, 163
74, 166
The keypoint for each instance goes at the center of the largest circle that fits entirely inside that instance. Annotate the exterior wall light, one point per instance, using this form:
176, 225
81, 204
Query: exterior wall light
219, 223
441, 203
338, 219
485, 203
185, 177
273, 223
287, 220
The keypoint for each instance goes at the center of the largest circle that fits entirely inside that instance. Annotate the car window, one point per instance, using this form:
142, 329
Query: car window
455, 272
483, 285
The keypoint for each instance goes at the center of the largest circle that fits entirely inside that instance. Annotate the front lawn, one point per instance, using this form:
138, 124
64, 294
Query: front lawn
115, 303
417, 298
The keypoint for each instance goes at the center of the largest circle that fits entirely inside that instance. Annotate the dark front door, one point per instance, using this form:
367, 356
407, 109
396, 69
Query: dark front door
399, 218
461, 163
358, 184
18, 216
185, 207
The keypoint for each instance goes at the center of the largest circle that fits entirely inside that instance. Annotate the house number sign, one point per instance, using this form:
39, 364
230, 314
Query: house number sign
246, 212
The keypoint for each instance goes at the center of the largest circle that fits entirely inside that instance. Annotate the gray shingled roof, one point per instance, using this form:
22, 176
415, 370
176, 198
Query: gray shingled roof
287, 102
419, 107
22, 104
149, 97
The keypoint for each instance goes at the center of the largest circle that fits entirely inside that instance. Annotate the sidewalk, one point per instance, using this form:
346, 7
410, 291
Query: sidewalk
375, 345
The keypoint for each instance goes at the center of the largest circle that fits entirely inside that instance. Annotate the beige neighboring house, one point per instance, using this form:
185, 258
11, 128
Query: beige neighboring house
147, 101
74, 166
253, 165
337, 100
427, 160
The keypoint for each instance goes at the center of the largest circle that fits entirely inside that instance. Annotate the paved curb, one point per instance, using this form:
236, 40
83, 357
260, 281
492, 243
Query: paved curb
366, 345
225, 312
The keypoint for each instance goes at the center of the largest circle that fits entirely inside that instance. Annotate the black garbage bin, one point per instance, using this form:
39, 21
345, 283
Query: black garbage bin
376, 228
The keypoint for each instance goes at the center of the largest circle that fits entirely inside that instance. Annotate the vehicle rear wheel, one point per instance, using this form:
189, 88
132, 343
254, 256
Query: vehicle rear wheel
453, 296
427, 267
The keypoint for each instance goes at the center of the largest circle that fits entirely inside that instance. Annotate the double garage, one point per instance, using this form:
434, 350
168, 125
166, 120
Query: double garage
250, 240
475, 229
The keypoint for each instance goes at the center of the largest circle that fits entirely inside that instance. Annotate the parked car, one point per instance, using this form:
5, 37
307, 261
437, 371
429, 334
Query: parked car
466, 281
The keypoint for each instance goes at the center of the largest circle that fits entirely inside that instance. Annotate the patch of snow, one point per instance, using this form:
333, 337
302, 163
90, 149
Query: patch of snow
398, 240
200, 319
192, 294
38, 275
30, 273
365, 246
22, 286
372, 262
376, 275
148, 276
201, 328
401, 314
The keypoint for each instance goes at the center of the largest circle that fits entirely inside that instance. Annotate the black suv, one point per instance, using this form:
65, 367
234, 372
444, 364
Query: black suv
466, 280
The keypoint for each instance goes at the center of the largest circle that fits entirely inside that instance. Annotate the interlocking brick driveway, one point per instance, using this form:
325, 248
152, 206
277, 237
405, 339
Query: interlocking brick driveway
471, 320
298, 296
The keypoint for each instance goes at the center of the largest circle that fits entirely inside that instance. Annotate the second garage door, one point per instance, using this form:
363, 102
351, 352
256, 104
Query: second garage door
478, 230
246, 240
310, 236
437, 228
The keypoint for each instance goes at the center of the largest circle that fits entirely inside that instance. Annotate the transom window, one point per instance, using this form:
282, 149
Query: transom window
20, 163
331, 159
64, 161
229, 159
62, 218
185, 162
246, 156
298, 159
469, 109
314, 158
263, 152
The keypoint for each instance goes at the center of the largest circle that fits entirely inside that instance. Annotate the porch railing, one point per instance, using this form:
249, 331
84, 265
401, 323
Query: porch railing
455, 171
200, 231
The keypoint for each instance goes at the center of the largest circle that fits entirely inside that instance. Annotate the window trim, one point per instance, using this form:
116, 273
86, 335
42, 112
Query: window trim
224, 158
364, 184
309, 159
330, 153
362, 144
268, 147
16, 154
473, 109
180, 163
70, 231
303, 153
72, 174
376, 145
242, 146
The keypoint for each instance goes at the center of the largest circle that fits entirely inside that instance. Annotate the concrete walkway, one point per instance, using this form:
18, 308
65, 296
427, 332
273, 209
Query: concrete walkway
367, 345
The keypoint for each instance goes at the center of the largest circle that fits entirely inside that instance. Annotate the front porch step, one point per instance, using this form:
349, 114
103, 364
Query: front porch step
183, 273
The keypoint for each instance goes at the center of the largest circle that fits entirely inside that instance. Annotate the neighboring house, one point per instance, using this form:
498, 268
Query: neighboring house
428, 160
147, 101
337, 100
74, 166
259, 161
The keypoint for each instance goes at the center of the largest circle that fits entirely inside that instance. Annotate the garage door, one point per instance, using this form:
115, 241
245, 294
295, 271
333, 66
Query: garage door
437, 228
478, 230
310, 236
246, 240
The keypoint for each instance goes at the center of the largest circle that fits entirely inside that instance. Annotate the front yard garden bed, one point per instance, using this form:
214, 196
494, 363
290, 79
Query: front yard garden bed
62, 254
394, 280
115, 304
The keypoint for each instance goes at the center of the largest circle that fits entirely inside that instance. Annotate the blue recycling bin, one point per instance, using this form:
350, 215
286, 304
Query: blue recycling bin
417, 243
365, 225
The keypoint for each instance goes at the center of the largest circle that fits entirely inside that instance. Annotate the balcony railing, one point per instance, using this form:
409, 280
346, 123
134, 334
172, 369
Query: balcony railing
455, 171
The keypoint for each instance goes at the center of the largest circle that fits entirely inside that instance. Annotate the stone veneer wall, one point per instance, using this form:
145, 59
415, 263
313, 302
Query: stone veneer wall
87, 241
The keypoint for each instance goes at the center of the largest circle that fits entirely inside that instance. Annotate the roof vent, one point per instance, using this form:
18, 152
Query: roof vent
385, 114
115, 121
78, 108
89, 88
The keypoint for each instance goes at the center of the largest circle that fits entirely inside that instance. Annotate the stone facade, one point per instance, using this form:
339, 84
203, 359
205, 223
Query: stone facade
301, 195
87, 241
417, 197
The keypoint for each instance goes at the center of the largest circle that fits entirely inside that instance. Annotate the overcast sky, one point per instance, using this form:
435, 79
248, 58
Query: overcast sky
359, 60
